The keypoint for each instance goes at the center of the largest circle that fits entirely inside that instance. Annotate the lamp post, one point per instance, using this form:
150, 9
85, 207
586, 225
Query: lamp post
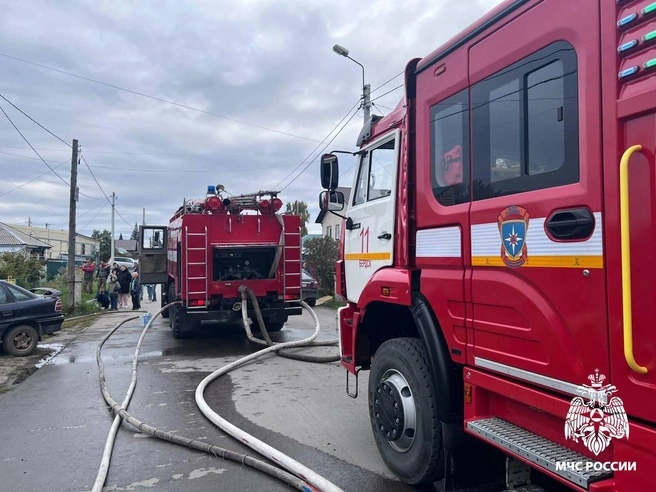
366, 88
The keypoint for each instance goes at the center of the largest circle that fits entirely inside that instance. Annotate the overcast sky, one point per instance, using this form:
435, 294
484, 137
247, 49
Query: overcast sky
264, 68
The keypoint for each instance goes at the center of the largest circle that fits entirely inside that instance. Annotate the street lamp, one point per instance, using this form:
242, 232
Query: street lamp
366, 88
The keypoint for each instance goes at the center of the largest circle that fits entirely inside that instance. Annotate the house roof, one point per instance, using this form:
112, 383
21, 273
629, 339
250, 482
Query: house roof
126, 244
12, 237
347, 199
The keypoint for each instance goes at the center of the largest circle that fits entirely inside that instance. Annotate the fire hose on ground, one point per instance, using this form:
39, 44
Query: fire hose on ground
301, 477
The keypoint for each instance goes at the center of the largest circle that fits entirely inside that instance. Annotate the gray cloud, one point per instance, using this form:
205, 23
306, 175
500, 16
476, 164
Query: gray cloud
264, 62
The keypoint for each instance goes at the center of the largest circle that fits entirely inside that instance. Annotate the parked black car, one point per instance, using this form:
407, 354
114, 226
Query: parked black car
25, 317
310, 288
45, 291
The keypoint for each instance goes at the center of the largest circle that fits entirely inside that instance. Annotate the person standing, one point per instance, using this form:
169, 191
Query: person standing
124, 278
87, 281
135, 291
102, 274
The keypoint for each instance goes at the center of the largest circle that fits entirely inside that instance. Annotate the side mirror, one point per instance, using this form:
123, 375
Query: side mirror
329, 172
331, 201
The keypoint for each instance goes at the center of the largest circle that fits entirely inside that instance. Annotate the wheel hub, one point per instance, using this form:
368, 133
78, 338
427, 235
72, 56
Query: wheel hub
22, 341
395, 412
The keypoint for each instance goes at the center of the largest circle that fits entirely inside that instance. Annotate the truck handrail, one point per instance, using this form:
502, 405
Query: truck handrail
625, 234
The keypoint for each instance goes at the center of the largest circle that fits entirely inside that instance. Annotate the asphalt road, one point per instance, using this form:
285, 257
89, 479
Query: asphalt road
54, 423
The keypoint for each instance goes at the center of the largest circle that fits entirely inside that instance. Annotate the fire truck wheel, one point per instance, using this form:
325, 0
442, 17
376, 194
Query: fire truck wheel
402, 409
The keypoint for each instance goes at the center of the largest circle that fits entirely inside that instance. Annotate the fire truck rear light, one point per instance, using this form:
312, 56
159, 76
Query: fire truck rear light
290, 297
386, 291
197, 302
280, 297
468, 393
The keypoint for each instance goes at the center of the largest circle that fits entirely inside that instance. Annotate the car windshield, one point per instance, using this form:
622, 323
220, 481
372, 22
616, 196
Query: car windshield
307, 276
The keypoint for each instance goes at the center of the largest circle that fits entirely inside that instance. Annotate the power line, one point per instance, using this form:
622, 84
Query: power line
241, 154
32, 180
385, 83
34, 121
32, 147
94, 178
320, 144
35, 151
155, 98
322, 151
94, 217
391, 90
177, 171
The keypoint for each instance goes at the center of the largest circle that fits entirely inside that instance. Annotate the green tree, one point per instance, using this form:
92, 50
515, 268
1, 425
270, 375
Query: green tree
321, 255
300, 208
27, 272
105, 239
135, 232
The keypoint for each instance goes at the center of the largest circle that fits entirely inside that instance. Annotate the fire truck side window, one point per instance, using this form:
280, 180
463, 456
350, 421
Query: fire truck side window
360, 195
450, 149
525, 125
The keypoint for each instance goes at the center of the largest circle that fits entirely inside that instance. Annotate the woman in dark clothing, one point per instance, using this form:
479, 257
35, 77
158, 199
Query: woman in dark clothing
124, 278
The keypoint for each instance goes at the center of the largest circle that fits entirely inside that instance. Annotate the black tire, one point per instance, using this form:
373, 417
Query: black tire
165, 314
20, 341
311, 302
401, 388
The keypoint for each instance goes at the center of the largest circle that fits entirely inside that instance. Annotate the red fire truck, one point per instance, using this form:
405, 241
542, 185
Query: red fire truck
212, 246
500, 218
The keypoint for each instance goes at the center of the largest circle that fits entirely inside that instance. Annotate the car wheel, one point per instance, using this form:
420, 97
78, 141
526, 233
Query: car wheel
20, 341
311, 302
403, 411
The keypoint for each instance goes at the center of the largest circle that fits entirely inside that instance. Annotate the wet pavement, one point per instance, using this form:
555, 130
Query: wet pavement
54, 424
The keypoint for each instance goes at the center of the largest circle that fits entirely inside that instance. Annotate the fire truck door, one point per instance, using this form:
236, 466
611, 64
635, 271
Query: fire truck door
538, 280
369, 244
152, 255
631, 243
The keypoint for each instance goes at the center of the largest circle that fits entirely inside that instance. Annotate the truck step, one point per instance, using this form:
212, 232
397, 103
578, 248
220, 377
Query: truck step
536, 449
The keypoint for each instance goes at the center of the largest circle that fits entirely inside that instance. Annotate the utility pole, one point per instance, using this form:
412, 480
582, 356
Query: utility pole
366, 101
71, 228
111, 254
143, 220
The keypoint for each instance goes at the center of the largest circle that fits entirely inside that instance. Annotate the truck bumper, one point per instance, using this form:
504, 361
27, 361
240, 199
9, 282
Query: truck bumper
273, 314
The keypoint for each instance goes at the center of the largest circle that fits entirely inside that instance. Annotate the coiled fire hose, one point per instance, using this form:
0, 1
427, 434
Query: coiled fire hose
245, 291
316, 480
121, 413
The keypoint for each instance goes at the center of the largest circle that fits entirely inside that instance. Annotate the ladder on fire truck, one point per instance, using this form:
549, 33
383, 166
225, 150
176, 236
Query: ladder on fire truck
291, 241
196, 262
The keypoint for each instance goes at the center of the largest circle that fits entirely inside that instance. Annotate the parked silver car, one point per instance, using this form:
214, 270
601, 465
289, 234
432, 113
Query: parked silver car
129, 263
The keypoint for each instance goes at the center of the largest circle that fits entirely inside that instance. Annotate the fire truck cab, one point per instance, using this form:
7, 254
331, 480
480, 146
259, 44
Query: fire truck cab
495, 253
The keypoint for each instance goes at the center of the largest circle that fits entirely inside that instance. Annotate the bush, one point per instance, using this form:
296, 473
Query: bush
27, 272
321, 255
60, 282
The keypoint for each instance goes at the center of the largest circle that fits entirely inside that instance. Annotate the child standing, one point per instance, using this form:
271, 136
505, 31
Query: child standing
113, 287
135, 291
